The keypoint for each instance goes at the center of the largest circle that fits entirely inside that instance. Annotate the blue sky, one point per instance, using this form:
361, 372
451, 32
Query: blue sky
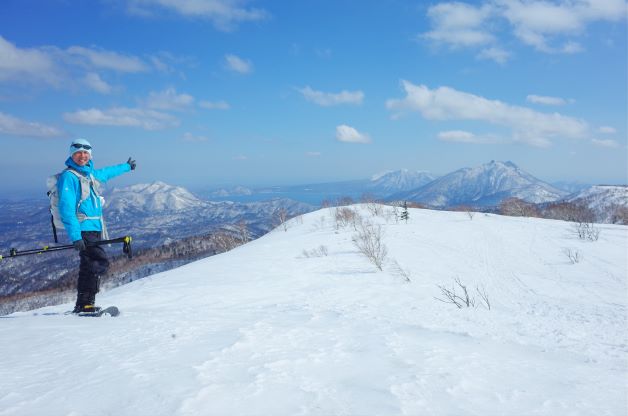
207, 92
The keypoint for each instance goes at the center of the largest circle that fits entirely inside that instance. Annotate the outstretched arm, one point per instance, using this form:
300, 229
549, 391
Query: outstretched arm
104, 174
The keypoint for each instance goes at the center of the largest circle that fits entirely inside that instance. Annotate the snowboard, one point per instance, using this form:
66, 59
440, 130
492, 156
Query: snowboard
109, 311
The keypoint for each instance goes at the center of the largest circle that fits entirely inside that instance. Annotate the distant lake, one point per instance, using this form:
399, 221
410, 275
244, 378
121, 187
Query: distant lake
309, 194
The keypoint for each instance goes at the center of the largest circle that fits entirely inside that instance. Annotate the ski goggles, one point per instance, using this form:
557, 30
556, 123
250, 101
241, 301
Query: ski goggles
81, 146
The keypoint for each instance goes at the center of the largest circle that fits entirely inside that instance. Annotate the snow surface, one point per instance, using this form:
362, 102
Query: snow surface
267, 330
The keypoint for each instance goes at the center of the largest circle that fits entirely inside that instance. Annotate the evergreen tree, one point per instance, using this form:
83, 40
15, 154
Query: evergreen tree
404, 213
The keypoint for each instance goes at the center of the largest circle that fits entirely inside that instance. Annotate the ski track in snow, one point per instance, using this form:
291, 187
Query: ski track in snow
264, 330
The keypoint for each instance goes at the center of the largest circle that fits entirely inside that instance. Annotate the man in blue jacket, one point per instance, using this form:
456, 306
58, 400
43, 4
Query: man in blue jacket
80, 208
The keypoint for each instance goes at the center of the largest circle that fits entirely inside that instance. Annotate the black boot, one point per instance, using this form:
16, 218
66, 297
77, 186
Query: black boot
85, 302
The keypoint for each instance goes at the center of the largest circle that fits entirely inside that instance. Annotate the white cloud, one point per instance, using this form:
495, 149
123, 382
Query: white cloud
169, 63
169, 100
494, 53
26, 64
224, 14
189, 137
607, 130
528, 126
94, 82
102, 59
606, 143
123, 117
459, 25
329, 99
348, 134
62, 68
536, 23
547, 26
237, 64
241, 158
13, 126
313, 154
540, 99
214, 105
571, 48
460, 136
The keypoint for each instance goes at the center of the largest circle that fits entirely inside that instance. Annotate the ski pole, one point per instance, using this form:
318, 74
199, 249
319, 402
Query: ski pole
126, 248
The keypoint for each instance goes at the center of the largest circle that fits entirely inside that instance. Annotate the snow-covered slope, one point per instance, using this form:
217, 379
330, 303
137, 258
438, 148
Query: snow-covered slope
299, 322
485, 185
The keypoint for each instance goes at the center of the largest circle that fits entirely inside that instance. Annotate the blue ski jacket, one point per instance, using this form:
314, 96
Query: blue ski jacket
69, 189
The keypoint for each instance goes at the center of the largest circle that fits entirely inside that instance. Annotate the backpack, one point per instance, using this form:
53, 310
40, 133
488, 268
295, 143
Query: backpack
87, 184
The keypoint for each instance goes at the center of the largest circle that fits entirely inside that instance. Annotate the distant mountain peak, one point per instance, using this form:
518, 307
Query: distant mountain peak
156, 196
398, 172
487, 184
389, 182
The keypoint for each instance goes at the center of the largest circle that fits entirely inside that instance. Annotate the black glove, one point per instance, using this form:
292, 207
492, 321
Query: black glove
79, 245
131, 163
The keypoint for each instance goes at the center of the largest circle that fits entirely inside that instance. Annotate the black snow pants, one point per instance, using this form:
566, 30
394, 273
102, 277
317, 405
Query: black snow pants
94, 263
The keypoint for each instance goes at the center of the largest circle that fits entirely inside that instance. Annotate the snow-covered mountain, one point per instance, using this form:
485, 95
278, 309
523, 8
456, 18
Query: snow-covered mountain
391, 182
299, 322
157, 212
485, 185
154, 197
604, 200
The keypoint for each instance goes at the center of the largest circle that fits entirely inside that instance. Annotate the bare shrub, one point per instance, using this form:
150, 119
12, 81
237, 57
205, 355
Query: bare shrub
567, 211
375, 208
390, 215
321, 251
372, 205
344, 201
368, 240
586, 231
400, 271
224, 241
452, 296
481, 290
516, 207
281, 218
395, 213
573, 255
345, 216
459, 295
465, 208
619, 215
243, 232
